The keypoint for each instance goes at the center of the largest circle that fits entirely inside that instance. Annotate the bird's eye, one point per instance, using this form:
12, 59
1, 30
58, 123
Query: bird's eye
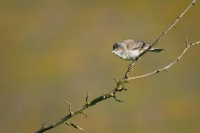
116, 45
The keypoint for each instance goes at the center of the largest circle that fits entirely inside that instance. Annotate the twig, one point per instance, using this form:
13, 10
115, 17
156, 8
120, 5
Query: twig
86, 99
159, 38
84, 114
116, 99
116, 80
70, 107
166, 67
75, 126
186, 42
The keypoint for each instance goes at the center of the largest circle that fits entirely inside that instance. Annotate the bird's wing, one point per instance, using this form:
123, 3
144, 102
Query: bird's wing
134, 44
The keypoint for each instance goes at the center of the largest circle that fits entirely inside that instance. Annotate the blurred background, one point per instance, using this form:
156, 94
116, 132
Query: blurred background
60, 50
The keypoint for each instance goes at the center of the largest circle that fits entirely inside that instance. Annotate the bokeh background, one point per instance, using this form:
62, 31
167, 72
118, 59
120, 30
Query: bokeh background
58, 50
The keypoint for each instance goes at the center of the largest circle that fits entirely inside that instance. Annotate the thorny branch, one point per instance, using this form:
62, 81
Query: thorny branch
120, 84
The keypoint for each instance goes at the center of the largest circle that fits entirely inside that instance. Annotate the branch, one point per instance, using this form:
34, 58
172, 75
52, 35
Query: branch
168, 66
81, 110
159, 38
120, 84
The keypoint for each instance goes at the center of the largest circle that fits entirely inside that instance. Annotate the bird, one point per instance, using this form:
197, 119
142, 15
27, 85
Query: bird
130, 49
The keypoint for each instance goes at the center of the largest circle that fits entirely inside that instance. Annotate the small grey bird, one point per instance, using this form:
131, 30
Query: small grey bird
129, 49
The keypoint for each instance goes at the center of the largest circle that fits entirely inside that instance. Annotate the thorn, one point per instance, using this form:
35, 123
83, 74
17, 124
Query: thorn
84, 113
69, 107
117, 99
186, 42
125, 89
174, 26
86, 99
116, 80
75, 126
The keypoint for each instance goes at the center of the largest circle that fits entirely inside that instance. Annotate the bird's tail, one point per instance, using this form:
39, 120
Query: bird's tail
156, 50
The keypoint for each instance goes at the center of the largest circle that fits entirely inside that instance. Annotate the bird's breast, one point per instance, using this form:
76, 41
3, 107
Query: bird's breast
133, 53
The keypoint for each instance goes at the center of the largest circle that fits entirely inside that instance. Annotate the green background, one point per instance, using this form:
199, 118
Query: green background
55, 50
